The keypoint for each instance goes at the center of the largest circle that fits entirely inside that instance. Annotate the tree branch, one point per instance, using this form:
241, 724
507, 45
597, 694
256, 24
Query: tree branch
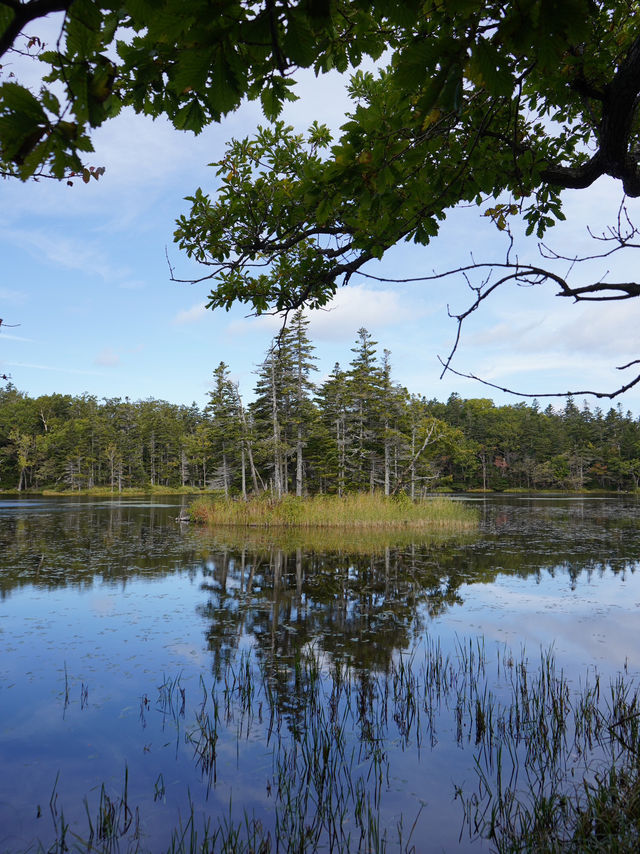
609, 395
24, 14
613, 157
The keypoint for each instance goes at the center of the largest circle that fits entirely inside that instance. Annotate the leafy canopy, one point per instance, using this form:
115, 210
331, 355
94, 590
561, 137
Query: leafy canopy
481, 100
190, 60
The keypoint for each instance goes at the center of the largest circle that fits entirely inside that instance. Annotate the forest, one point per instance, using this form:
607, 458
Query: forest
356, 431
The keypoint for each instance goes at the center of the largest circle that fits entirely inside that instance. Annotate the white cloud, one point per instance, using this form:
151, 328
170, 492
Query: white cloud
8, 337
107, 358
351, 308
607, 329
132, 285
361, 305
190, 315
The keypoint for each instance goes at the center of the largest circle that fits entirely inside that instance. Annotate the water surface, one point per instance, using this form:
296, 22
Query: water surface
117, 623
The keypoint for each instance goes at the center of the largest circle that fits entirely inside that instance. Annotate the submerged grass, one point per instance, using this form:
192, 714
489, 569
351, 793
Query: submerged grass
354, 511
557, 766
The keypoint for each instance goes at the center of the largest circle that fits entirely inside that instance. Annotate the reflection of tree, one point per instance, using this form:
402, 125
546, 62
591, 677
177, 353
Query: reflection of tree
355, 608
360, 606
74, 544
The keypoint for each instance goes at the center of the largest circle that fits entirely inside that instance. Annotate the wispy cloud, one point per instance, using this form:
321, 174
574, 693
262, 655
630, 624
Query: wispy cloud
352, 308
52, 368
359, 305
65, 251
132, 285
7, 336
107, 358
8, 295
609, 330
190, 315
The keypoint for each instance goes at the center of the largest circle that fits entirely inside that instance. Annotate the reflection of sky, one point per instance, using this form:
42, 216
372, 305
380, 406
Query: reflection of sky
121, 638
592, 621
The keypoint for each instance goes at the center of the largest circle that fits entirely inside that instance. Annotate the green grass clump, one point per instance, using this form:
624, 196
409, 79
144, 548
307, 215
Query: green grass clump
331, 511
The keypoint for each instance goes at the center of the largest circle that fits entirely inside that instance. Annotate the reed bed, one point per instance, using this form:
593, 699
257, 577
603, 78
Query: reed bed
356, 511
557, 766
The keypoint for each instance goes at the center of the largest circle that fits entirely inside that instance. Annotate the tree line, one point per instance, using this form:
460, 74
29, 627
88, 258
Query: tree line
357, 430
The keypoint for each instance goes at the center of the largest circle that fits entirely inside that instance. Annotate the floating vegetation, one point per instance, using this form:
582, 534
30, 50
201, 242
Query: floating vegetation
557, 766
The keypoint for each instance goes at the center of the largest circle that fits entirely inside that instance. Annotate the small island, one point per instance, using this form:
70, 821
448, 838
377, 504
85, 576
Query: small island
356, 511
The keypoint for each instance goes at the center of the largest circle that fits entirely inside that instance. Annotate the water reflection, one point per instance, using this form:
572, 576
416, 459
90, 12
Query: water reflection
58, 544
357, 596
123, 599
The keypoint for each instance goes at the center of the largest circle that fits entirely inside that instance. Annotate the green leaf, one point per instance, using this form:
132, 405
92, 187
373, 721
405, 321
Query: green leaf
16, 98
190, 117
83, 27
49, 101
192, 70
300, 43
271, 104
489, 68
6, 16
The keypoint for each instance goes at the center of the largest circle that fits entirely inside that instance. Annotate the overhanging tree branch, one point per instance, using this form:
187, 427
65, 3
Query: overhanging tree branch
25, 14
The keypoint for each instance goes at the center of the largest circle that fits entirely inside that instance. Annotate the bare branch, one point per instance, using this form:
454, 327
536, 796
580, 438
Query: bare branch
609, 395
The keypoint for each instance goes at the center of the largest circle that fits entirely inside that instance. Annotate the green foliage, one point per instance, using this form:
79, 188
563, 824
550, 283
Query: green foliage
191, 62
479, 101
358, 431
345, 512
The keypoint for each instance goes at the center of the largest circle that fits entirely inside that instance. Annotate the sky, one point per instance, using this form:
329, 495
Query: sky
84, 276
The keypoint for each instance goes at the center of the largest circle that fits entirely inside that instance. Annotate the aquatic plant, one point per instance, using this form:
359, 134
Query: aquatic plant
557, 765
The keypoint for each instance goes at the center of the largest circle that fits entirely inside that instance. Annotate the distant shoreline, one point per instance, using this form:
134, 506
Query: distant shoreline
133, 492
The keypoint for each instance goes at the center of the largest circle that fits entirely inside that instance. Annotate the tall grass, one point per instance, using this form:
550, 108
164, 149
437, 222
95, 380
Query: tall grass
558, 766
331, 511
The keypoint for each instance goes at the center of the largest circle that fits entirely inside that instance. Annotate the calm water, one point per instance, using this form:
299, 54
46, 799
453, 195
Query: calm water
118, 625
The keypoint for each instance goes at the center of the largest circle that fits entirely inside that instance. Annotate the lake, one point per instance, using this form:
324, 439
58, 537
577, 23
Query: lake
158, 681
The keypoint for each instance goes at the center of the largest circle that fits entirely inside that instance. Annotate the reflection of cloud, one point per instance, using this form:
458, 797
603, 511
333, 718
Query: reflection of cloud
190, 315
104, 606
107, 358
187, 652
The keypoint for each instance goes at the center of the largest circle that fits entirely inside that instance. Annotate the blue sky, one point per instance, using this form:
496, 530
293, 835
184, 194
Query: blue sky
84, 273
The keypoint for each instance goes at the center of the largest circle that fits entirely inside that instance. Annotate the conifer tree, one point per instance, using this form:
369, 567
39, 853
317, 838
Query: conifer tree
364, 383
226, 429
332, 401
297, 362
